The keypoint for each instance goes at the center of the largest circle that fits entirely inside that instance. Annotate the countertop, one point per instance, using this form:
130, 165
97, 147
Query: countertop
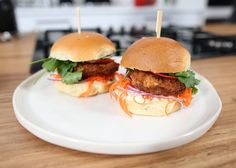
19, 148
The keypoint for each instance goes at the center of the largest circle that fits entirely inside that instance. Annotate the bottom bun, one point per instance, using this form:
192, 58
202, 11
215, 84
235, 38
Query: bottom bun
137, 104
155, 107
84, 88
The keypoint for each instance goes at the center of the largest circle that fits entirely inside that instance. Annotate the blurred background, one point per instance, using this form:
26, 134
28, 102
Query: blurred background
123, 21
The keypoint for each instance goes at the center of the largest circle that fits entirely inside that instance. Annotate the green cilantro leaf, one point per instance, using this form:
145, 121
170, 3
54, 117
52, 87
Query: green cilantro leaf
72, 77
194, 90
65, 69
65, 66
188, 79
38, 61
50, 65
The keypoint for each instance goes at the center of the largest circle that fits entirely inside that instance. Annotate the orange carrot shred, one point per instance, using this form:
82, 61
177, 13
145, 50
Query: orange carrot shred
56, 76
92, 79
89, 90
148, 97
186, 96
123, 104
121, 98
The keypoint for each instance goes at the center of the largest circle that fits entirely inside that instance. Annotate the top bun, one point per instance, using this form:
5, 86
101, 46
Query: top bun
85, 46
158, 55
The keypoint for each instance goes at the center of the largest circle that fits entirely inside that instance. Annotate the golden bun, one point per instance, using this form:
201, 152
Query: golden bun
78, 90
85, 46
155, 107
158, 55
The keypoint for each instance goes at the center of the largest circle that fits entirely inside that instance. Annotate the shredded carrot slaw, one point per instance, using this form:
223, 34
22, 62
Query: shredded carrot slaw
186, 96
55, 76
104, 79
89, 90
121, 97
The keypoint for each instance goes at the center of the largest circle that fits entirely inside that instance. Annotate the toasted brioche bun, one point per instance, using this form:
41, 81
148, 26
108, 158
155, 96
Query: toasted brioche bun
78, 89
85, 46
155, 107
158, 55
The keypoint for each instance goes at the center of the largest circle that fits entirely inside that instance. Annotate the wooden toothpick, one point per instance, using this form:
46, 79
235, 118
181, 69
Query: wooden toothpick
78, 15
158, 23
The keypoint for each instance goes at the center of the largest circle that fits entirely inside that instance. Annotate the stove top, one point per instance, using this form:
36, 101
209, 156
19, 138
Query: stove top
200, 44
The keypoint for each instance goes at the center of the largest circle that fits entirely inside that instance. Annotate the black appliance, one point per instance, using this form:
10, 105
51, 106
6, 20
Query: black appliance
62, 2
220, 2
200, 44
7, 17
97, 1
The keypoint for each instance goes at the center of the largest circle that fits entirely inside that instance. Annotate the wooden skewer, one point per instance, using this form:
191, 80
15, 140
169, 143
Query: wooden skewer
78, 15
158, 23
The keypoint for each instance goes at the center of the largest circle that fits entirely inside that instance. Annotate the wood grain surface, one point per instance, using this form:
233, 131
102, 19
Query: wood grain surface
19, 148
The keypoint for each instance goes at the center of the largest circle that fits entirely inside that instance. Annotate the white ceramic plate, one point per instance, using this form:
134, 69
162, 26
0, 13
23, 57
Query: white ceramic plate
97, 124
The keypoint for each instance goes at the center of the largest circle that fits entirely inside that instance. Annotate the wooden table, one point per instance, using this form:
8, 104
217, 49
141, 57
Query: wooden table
19, 148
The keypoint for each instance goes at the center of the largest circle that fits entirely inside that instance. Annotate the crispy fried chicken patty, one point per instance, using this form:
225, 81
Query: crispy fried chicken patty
98, 69
151, 83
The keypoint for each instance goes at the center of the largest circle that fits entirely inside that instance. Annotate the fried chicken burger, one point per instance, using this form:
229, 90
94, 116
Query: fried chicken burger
81, 64
158, 80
